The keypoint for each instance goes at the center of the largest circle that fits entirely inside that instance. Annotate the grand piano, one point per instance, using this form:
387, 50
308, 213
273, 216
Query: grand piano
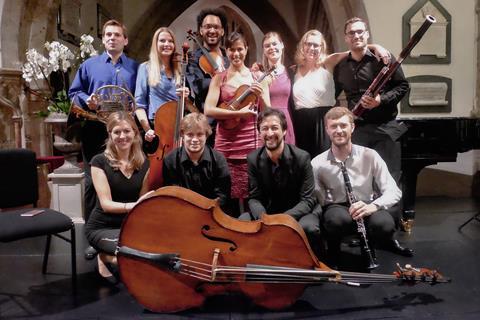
429, 141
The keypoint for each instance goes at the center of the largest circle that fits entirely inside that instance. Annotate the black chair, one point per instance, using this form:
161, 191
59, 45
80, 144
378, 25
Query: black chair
19, 187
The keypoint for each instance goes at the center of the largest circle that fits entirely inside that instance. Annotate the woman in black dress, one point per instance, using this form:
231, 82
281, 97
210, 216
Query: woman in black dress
119, 177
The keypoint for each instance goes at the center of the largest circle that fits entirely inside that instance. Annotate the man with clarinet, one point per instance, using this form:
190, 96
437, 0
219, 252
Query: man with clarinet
355, 189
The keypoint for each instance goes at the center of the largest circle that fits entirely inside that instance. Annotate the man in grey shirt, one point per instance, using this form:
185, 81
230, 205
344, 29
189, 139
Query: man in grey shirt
373, 187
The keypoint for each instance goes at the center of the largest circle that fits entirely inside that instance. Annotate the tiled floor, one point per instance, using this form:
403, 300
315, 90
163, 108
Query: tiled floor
26, 293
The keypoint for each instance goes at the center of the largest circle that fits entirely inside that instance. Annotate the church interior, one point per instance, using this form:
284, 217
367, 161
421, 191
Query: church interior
440, 156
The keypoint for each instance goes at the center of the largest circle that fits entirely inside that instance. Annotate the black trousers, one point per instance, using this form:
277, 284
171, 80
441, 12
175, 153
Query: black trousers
386, 143
385, 139
337, 223
93, 136
310, 134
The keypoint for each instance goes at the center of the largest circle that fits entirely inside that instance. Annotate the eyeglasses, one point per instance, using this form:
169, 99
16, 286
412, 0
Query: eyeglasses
312, 44
352, 33
212, 26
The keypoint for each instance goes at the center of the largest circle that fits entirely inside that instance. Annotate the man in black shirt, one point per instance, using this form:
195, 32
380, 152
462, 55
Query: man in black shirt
377, 127
280, 177
211, 25
196, 166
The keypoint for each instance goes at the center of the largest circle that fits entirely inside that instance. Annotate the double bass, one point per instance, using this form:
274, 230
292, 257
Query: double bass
167, 128
176, 248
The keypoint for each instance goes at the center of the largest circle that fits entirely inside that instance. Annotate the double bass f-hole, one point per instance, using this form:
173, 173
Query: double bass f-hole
208, 233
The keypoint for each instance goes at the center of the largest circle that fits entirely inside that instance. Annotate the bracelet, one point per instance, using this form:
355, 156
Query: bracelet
125, 207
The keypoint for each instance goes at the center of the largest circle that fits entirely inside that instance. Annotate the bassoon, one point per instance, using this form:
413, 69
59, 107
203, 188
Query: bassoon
387, 71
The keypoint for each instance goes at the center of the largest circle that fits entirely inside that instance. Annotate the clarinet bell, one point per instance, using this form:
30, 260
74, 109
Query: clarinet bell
369, 259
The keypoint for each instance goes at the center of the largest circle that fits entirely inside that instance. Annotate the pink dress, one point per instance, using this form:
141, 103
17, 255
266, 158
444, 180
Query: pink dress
235, 144
279, 94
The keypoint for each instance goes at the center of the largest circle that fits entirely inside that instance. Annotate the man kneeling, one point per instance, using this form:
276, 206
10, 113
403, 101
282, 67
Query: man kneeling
280, 178
195, 165
350, 166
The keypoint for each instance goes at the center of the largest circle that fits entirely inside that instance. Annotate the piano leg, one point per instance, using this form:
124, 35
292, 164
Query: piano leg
411, 168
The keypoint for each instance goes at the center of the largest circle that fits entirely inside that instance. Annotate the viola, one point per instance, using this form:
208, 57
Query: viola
177, 248
210, 62
243, 96
167, 128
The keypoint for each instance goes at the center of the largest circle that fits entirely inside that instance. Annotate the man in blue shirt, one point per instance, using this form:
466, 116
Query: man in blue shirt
112, 67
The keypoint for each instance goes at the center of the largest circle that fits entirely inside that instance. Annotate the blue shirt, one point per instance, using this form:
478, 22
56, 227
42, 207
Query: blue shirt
99, 71
151, 98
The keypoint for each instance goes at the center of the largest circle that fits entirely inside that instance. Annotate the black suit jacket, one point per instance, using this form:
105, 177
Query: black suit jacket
289, 191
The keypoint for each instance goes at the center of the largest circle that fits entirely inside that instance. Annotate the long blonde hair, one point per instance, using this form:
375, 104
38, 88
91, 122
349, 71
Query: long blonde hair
267, 35
155, 64
300, 54
136, 157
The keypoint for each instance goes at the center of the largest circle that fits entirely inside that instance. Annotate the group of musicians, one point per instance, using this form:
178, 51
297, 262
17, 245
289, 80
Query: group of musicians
266, 139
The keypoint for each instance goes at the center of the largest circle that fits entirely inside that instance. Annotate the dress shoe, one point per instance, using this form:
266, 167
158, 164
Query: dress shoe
109, 280
397, 248
90, 253
354, 243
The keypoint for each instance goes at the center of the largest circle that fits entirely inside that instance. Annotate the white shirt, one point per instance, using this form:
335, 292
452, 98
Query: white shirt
371, 181
315, 89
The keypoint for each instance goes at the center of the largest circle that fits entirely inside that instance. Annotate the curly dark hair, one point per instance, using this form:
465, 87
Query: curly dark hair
220, 13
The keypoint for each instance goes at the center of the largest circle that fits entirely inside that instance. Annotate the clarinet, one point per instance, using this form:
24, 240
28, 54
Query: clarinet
362, 231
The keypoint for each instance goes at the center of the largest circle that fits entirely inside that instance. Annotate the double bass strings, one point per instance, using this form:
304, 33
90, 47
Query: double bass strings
272, 274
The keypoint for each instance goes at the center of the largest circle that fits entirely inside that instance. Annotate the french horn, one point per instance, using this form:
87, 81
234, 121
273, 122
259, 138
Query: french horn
110, 98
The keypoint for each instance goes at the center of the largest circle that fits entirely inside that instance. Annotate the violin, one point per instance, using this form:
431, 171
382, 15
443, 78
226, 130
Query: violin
243, 96
176, 248
167, 126
210, 62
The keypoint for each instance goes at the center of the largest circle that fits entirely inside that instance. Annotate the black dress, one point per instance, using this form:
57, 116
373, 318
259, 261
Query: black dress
102, 229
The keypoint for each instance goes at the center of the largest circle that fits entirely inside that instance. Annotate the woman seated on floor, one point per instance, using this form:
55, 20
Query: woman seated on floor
119, 176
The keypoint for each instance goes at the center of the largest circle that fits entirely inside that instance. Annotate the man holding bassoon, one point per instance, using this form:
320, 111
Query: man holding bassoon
375, 125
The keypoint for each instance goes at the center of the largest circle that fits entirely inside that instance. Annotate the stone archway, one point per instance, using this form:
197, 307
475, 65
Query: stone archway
251, 12
327, 16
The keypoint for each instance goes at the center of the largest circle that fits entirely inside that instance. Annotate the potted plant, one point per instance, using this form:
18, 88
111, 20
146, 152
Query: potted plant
51, 71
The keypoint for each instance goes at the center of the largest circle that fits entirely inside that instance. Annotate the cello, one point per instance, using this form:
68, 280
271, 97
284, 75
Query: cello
176, 248
167, 128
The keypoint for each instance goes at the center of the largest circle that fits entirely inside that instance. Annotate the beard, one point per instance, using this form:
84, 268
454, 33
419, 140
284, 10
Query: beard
273, 145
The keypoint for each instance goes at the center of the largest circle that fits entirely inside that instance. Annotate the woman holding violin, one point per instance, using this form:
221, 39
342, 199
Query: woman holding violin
158, 80
234, 97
